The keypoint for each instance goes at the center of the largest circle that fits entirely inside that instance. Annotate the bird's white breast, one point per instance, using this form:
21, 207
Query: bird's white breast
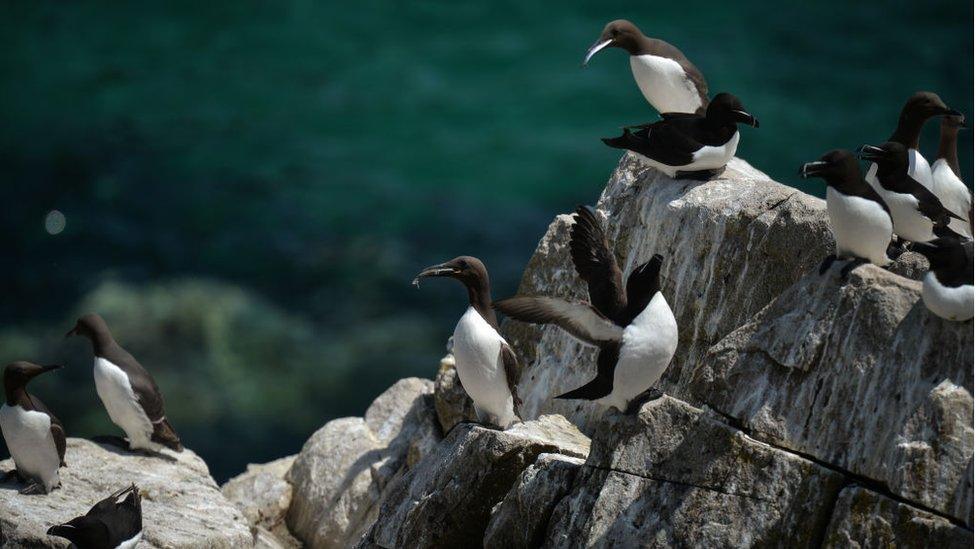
664, 84
31, 444
908, 222
953, 194
949, 303
919, 168
477, 348
121, 403
861, 227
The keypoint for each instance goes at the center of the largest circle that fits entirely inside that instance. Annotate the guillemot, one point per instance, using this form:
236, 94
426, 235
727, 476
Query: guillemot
917, 214
34, 436
634, 328
947, 288
130, 394
486, 364
946, 182
668, 80
689, 145
859, 218
110, 523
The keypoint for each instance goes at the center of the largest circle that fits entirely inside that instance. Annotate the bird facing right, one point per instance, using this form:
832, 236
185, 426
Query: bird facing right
946, 182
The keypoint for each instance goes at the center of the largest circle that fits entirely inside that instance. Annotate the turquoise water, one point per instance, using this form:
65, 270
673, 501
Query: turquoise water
263, 180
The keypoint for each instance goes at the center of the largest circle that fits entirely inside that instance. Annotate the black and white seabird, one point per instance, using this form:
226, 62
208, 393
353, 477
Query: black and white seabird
690, 145
34, 436
917, 110
486, 364
946, 182
634, 328
130, 394
114, 522
947, 288
917, 214
859, 218
668, 80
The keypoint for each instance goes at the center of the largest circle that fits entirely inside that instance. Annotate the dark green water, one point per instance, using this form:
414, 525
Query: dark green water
249, 189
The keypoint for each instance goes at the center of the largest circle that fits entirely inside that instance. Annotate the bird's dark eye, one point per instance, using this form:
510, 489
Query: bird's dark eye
614, 32
464, 264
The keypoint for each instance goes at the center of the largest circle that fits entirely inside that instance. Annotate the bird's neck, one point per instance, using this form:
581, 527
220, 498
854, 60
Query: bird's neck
908, 130
101, 343
15, 394
479, 296
947, 148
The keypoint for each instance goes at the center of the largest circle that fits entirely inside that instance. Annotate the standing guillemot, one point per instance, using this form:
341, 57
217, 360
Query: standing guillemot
634, 329
668, 80
917, 110
486, 365
34, 436
109, 524
946, 182
947, 288
689, 145
917, 214
859, 218
130, 395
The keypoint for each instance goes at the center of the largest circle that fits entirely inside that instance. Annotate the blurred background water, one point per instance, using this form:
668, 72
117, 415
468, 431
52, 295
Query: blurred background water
248, 189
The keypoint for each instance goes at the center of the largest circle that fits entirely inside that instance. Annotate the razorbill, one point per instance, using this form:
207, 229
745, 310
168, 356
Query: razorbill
917, 110
917, 214
114, 522
946, 182
34, 436
690, 145
130, 395
668, 80
634, 328
486, 364
947, 288
859, 218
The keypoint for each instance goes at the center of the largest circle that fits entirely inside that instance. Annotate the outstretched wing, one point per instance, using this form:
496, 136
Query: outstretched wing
508, 359
602, 384
596, 264
580, 320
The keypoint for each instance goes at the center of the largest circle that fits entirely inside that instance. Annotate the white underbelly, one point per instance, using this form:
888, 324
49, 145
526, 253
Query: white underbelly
31, 444
907, 221
477, 348
860, 226
953, 194
664, 84
122, 405
949, 303
919, 168
705, 158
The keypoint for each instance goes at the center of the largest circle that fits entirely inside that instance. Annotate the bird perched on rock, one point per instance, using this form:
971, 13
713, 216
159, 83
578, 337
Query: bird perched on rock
34, 436
690, 145
633, 327
946, 182
947, 288
130, 394
916, 212
668, 80
486, 364
859, 218
111, 523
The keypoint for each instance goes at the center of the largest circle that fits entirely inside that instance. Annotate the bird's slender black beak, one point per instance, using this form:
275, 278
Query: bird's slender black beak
812, 169
61, 530
746, 118
435, 270
596, 47
869, 152
950, 112
71, 332
51, 367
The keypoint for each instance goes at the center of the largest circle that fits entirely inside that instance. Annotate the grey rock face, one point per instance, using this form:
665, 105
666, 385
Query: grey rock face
453, 404
263, 495
181, 504
447, 498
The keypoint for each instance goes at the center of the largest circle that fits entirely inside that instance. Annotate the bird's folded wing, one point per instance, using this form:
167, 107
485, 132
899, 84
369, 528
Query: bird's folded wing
596, 264
510, 363
57, 428
580, 320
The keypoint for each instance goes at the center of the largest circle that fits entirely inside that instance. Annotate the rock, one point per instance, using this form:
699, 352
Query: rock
341, 473
911, 265
181, 504
522, 518
675, 476
453, 404
866, 519
263, 495
860, 375
447, 498
731, 245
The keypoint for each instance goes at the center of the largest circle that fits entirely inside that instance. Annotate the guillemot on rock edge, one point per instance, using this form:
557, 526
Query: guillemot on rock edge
110, 523
947, 288
634, 328
946, 182
485, 363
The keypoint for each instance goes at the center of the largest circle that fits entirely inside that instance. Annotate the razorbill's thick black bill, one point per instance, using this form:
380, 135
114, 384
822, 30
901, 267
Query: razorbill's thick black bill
116, 521
947, 289
634, 329
668, 80
859, 218
918, 215
34, 436
690, 145
487, 366
130, 395
946, 182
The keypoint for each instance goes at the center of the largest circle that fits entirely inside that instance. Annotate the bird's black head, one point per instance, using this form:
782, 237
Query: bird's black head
17, 374
924, 105
839, 168
469, 270
617, 34
91, 326
85, 532
644, 281
952, 123
890, 156
726, 108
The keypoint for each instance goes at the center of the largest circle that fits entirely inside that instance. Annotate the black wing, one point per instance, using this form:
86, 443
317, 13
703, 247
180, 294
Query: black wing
579, 320
123, 519
511, 364
57, 428
928, 204
668, 141
596, 264
602, 384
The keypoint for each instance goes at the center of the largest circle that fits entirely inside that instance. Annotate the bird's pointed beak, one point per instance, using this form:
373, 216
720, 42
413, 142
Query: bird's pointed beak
71, 332
60, 530
51, 367
811, 169
435, 270
746, 118
596, 47
869, 152
950, 112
